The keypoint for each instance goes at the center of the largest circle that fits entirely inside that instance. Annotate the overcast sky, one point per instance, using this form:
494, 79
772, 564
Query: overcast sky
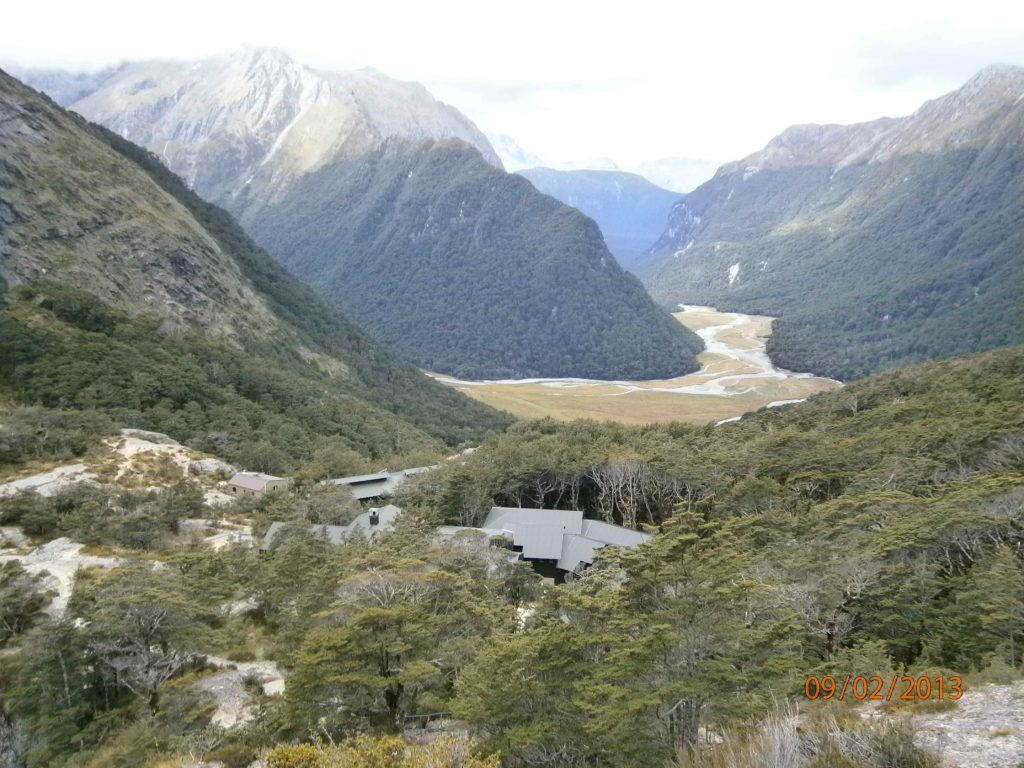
570, 80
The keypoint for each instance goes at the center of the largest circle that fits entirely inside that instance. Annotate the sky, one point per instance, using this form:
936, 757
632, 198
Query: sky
576, 81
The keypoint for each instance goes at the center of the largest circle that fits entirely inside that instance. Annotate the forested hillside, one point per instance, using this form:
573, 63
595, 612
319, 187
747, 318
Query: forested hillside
470, 271
872, 530
130, 295
431, 247
877, 245
630, 210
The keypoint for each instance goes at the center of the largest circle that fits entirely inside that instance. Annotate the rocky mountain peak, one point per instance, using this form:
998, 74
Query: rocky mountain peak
997, 75
988, 107
241, 128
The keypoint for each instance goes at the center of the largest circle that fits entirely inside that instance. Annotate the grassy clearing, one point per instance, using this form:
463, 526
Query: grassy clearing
645, 405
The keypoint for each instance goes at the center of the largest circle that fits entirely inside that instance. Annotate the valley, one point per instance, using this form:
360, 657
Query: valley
625, 519
736, 376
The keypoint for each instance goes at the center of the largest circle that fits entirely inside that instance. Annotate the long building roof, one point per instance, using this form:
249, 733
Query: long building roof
562, 535
377, 484
337, 534
252, 481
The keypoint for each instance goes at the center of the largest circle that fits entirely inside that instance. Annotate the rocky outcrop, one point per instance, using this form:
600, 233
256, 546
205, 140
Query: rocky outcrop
210, 466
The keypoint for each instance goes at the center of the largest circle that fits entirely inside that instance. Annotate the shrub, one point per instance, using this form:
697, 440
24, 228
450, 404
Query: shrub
232, 756
296, 756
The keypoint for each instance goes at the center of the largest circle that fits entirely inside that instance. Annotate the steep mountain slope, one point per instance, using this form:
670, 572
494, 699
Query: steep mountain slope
296, 155
878, 244
129, 294
257, 119
630, 211
470, 271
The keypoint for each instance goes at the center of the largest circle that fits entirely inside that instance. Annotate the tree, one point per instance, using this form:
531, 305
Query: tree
22, 599
519, 694
389, 649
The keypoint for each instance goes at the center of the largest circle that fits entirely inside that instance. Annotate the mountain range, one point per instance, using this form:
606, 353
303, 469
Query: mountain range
254, 120
394, 206
126, 293
877, 244
678, 174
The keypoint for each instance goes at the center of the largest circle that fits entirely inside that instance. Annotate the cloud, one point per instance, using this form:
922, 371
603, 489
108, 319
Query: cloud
571, 79
934, 54
513, 91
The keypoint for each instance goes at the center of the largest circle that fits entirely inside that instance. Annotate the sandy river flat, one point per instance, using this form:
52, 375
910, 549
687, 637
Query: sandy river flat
735, 377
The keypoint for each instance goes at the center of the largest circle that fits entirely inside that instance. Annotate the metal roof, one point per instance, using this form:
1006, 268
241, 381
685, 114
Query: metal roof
570, 520
559, 534
538, 531
614, 535
336, 534
356, 479
379, 484
385, 520
576, 550
252, 481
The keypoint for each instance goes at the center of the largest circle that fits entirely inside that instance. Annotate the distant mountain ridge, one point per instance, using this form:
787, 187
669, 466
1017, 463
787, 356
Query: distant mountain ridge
878, 244
629, 209
127, 293
513, 156
678, 174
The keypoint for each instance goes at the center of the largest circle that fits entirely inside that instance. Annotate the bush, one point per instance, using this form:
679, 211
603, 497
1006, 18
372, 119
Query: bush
296, 756
232, 756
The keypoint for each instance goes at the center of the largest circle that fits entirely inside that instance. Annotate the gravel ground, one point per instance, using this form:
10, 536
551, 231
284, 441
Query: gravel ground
986, 730
235, 706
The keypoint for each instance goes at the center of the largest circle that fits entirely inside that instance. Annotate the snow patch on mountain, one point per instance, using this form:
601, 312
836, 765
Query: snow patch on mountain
734, 273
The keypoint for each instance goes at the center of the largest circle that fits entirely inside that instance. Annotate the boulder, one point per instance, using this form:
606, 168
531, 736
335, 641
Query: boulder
210, 467
152, 437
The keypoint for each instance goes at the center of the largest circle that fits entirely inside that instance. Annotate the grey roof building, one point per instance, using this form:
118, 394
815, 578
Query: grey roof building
378, 484
558, 535
255, 483
370, 523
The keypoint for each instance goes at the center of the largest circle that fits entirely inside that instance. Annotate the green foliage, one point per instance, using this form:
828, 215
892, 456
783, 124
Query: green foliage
296, 756
98, 228
869, 267
872, 530
38, 434
267, 407
376, 374
382, 752
394, 640
22, 600
105, 515
868, 529
232, 756
484, 276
